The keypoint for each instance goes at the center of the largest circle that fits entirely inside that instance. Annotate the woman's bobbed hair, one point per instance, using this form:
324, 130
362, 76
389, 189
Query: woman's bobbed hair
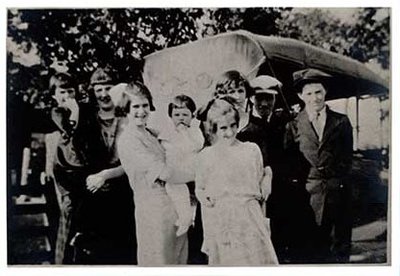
63, 80
134, 88
226, 80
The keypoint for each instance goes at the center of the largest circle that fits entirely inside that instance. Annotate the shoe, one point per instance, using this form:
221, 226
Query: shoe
81, 243
76, 240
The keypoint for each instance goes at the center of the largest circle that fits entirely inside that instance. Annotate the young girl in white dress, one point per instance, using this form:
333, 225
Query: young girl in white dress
231, 183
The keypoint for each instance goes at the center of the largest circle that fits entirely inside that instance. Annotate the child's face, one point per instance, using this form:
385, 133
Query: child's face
61, 94
181, 116
227, 129
139, 110
102, 96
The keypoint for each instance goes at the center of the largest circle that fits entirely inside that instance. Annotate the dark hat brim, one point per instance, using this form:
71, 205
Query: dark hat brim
324, 80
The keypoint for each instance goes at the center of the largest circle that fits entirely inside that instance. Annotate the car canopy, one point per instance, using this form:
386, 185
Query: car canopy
193, 68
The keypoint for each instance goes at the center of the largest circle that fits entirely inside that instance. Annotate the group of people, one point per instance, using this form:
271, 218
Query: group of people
252, 185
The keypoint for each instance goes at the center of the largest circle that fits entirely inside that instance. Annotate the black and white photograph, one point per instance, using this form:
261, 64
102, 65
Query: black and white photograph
198, 137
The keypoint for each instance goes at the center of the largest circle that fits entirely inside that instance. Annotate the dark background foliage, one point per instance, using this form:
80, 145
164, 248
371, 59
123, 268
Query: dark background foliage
84, 39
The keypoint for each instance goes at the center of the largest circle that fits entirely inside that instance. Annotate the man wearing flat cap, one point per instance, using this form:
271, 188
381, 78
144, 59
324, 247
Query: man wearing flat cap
264, 124
266, 128
325, 139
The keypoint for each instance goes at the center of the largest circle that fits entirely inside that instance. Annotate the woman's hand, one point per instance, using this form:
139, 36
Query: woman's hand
266, 183
72, 105
95, 182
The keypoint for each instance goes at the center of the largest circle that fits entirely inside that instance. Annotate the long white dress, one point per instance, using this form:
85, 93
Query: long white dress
143, 159
235, 230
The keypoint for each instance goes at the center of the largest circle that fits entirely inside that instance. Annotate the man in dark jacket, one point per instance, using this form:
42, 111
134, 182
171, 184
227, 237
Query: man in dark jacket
324, 137
266, 128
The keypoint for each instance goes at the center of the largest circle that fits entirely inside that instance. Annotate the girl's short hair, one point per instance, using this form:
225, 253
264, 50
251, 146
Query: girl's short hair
227, 79
134, 88
63, 80
181, 101
220, 108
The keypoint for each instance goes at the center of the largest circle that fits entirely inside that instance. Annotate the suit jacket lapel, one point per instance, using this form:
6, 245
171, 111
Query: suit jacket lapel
330, 125
307, 127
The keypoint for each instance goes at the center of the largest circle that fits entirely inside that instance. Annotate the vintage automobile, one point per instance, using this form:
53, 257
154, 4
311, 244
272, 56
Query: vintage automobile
192, 68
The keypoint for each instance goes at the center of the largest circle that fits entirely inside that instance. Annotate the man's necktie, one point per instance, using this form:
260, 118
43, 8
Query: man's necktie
317, 123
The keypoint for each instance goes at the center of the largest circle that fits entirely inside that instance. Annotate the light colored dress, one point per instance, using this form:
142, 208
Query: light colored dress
235, 230
143, 159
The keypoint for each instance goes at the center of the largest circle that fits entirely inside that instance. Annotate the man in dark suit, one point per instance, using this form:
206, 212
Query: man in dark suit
325, 139
266, 125
266, 128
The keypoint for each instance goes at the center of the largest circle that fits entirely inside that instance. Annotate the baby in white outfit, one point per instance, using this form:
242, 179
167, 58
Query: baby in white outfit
182, 144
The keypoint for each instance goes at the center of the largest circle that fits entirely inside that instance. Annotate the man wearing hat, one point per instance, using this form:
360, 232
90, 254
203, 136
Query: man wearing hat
266, 128
325, 139
264, 124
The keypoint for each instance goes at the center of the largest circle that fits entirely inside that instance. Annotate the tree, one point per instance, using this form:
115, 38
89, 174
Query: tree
371, 36
364, 39
80, 40
83, 40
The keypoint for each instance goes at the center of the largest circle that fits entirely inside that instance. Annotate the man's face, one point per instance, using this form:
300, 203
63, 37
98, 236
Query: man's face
61, 94
313, 95
264, 104
102, 96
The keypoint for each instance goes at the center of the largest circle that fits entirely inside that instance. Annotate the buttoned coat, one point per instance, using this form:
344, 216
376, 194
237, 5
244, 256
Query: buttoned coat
329, 159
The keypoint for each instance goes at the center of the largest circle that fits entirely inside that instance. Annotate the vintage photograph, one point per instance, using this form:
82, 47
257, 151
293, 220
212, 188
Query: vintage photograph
198, 136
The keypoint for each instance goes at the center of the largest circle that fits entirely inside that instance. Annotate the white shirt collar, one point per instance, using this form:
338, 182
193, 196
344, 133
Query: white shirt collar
255, 114
312, 115
319, 125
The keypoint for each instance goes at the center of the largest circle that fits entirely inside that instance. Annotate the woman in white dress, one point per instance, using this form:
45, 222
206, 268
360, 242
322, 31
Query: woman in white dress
230, 184
143, 159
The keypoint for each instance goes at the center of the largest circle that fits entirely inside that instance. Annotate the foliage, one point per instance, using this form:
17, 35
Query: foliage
371, 37
80, 40
365, 39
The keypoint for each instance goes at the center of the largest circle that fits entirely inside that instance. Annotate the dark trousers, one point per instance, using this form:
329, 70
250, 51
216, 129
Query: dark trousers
333, 236
71, 187
195, 233
292, 223
195, 237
